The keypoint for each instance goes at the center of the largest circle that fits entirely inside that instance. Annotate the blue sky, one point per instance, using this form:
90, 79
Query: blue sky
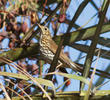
86, 15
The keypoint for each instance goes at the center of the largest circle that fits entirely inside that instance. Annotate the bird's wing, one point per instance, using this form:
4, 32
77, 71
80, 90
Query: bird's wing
63, 58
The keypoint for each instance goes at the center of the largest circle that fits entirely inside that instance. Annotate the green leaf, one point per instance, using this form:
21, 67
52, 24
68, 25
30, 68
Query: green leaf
71, 76
21, 76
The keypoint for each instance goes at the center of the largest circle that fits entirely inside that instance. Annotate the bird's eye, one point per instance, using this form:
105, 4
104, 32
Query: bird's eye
45, 28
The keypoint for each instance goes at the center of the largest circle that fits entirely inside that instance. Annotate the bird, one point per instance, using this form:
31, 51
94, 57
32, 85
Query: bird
48, 49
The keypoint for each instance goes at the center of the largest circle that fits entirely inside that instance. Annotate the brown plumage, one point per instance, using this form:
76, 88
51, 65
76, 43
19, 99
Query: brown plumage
48, 49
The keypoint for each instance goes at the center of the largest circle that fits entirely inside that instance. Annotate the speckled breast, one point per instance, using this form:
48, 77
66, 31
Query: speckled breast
44, 48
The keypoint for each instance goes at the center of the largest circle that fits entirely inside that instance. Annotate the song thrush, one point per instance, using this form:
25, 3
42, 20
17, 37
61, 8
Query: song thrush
48, 49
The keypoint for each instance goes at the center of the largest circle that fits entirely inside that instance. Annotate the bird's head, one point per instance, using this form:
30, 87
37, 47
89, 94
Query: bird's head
44, 30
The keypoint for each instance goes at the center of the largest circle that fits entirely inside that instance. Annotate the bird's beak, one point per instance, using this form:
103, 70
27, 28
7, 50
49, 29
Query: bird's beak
39, 26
